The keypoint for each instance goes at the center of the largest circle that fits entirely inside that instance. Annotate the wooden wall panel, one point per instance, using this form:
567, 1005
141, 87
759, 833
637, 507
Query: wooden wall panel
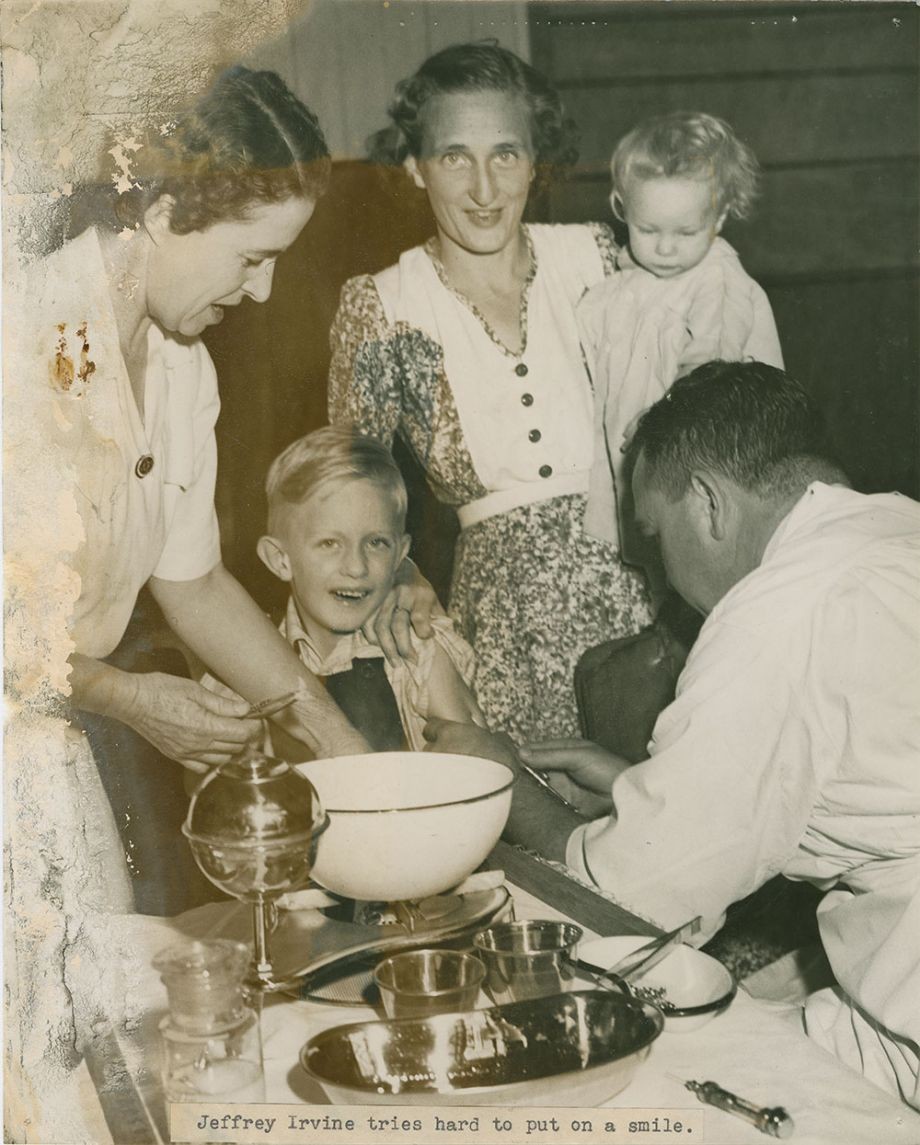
827, 95
798, 119
664, 41
854, 344
344, 57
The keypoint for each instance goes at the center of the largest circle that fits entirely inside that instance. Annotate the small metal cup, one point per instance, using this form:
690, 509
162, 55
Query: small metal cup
528, 959
419, 983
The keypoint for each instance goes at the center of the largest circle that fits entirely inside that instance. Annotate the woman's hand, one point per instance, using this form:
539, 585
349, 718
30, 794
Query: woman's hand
592, 767
411, 604
186, 722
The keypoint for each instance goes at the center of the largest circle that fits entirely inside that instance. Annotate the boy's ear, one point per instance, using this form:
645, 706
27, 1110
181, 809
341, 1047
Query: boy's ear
404, 546
158, 215
412, 170
274, 556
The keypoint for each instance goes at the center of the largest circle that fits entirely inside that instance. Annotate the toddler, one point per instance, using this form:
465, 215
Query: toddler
680, 296
336, 535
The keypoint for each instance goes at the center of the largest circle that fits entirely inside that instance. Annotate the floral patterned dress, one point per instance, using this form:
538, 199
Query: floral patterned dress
506, 438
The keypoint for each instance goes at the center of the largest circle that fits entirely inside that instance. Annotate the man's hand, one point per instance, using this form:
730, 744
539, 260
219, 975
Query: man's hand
410, 605
186, 722
589, 765
469, 739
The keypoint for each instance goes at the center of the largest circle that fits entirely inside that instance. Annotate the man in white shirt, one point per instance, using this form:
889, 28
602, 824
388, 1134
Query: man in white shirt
793, 745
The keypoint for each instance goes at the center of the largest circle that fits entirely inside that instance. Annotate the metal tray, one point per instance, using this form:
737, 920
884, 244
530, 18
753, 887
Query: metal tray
568, 1049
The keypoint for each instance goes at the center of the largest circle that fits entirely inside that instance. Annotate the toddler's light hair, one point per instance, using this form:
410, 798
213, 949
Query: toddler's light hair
687, 144
335, 453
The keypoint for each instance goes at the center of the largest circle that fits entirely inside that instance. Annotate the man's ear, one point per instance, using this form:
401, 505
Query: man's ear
158, 216
274, 556
412, 170
710, 503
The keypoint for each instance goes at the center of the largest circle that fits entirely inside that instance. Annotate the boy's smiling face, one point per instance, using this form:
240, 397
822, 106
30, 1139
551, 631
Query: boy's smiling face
339, 550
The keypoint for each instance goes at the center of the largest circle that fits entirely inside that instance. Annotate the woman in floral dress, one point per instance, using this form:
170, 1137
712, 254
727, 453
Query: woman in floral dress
468, 349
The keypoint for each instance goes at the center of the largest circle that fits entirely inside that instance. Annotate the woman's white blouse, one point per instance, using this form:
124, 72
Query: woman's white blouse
526, 418
132, 496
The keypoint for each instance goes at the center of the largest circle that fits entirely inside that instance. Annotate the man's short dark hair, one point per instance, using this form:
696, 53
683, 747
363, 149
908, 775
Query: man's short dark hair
750, 422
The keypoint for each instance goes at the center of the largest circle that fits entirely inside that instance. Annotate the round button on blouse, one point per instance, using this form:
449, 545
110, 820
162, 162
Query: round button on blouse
521, 370
534, 435
546, 470
526, 399
144, 465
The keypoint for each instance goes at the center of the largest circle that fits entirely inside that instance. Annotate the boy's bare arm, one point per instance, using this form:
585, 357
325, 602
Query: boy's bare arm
449, 698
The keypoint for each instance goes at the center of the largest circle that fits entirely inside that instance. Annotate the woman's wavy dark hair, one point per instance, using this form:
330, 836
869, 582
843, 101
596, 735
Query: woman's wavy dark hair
247, 141
474, 67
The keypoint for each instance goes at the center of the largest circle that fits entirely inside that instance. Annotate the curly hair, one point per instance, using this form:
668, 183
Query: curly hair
476, 67
247, 141
687, 144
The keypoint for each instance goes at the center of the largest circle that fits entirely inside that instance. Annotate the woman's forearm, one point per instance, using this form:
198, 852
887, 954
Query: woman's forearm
222, 625
98, 687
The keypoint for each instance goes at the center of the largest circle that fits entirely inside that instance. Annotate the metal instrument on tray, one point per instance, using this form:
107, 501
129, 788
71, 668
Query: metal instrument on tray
774, 1121
272, 706
643, 959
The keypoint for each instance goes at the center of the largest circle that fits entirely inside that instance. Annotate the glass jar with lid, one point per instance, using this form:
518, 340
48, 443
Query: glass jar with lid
210, 1040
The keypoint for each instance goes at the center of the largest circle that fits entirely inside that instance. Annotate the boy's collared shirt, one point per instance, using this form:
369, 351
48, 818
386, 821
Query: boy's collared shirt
409, 680
354, 646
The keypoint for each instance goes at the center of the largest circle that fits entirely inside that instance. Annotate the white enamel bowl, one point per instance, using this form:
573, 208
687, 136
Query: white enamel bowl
406, 825
697, 985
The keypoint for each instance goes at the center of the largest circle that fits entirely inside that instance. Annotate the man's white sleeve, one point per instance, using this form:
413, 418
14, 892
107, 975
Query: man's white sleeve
725, 797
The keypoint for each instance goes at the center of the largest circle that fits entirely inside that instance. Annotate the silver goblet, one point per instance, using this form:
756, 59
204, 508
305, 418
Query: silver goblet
252, 825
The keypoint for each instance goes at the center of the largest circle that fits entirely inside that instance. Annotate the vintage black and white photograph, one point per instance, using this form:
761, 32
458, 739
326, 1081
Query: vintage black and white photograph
462, 571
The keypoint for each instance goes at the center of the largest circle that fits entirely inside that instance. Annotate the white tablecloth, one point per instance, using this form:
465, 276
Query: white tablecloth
755, 1049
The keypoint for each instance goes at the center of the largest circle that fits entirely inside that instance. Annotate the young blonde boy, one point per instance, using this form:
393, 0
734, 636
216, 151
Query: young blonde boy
336, 535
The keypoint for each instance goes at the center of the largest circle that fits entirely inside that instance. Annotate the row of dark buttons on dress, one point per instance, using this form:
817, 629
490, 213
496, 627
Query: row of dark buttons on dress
535, 435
